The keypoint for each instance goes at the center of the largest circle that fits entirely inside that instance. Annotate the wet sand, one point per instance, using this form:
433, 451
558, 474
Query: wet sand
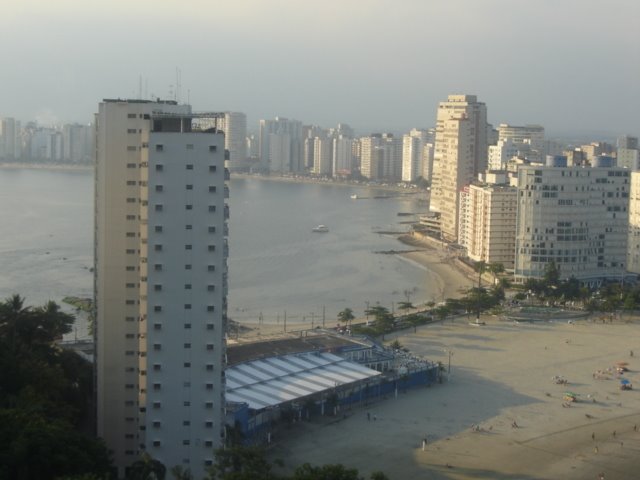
500, 373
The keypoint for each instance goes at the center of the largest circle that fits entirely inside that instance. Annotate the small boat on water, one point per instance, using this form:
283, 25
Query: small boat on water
354, 197
320, 229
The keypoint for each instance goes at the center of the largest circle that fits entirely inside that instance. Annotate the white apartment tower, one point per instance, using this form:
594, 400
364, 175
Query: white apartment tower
488, 223
529, 139
234, 126
576, 217
287, 155
460, 154
160, 282
633, 253
413, 154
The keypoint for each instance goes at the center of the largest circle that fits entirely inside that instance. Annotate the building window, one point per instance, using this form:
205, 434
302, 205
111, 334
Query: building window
186, 423
131, 115
157, 443
211, 248
157, 247
131, 165
159, 167
131, 234
211, 288
211, 268
208, 424
212, 189
213, 148
187, 286
188, 227
157, 326
158, 228
157, 347
212, 208
157, 405
209, 386
131, 182
212, 168
157, 287
131, 217
208, 443
187, 247
209, 366
159, 147
189, 187
187, 306
209, 326
186, 442
157, 308
209, 346
189, 166
157, 386
212, 229
187, 326
157, 424
186, 403
187, 365
130, 302
131, 200
189, 206
131, 148
208, 405
210, 308
158, 207
159, 188
187, 345
157, 267
187, 266
189, 146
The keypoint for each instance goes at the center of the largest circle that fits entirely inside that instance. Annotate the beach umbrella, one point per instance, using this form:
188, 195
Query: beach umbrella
624, 381
570, 394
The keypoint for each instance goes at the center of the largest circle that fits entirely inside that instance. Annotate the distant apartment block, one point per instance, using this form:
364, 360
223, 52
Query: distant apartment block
529, 139
234, 126
281, 144
460, 154
574, 216
633, 254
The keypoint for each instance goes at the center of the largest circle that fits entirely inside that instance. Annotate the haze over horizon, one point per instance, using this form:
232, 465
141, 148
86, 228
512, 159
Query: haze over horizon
377, 65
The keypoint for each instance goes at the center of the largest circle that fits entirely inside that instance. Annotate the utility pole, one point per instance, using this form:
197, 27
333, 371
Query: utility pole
323, 316
285, 320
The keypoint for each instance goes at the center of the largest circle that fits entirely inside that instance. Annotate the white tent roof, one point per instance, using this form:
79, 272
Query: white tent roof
270, 381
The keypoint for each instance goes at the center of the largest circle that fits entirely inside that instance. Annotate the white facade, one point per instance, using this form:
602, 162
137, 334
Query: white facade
488, 223
10, 145
160, 283
576, 217
633, 247
234, 126
501, 153
322, 151
342, 156
291, 158
413, 154
460, 154
530, 137
628, 158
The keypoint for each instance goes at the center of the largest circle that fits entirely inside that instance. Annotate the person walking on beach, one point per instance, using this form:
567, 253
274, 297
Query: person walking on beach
424, 443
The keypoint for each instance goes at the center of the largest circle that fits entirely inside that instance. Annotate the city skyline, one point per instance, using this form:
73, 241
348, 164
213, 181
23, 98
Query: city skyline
539, 63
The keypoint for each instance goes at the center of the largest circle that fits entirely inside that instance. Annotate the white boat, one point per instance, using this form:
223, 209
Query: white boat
320, 229
354, 197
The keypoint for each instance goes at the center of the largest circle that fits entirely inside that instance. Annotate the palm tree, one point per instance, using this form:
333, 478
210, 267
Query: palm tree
496, 268
346, 316
479, 267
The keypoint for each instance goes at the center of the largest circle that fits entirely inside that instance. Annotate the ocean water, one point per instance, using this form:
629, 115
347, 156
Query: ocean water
276, 264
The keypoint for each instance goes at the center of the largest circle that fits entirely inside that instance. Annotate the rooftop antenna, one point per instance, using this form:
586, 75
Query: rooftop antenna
178, 84
140, 87
146, 88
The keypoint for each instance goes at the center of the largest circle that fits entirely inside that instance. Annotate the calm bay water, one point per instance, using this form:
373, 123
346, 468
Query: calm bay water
276, 263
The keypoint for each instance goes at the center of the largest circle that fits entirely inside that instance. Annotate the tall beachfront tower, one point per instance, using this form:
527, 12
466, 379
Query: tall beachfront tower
460, 154
160, 282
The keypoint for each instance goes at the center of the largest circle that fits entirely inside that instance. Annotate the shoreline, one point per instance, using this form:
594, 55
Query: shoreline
501, 382
45, 166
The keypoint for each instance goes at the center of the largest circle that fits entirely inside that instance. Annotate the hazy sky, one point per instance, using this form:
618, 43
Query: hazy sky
572, 66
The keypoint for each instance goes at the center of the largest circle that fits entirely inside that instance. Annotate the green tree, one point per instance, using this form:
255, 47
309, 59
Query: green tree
414, 320
147, 468
496, 268
480, 267
241, 463
346, 316
405, 306
325, 472
551, 274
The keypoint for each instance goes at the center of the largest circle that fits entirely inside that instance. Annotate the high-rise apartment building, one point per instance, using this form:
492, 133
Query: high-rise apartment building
488, 222
10, 145
460, 154
528, 138
413, 154
576, 217
633, 245
286, 155
343, 161
160, 282
234, 126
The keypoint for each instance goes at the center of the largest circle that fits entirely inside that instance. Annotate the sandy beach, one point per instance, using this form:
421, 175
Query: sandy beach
501, 373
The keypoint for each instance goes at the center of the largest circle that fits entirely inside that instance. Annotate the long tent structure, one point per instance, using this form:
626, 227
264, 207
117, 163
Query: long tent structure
272, 381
